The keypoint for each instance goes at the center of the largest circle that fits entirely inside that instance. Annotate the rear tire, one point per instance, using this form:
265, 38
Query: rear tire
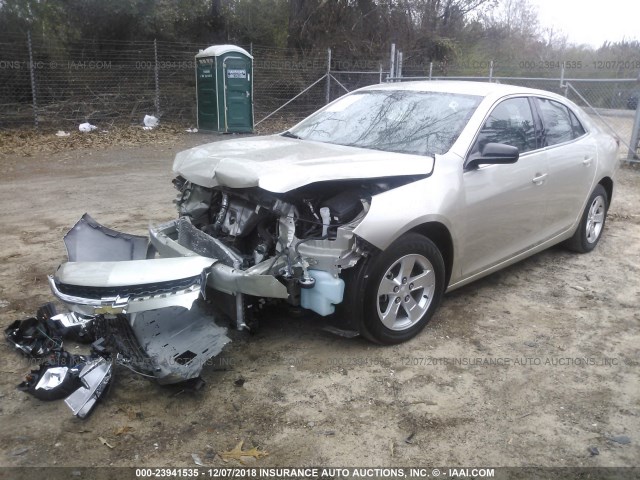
404, 287
592, 222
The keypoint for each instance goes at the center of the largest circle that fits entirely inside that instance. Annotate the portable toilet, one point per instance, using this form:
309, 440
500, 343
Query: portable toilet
224, 89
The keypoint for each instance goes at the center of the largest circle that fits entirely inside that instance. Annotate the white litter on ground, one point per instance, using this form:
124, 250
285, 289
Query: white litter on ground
150, 122
86, 127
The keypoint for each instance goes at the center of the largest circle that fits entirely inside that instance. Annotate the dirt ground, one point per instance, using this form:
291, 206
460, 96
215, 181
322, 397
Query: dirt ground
528, 367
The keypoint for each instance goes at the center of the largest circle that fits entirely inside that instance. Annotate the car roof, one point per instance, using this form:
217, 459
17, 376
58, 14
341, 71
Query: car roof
483, 89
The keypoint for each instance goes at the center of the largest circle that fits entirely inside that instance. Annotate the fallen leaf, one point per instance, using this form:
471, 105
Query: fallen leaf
28, 142
237, 453
122, 430
104, 442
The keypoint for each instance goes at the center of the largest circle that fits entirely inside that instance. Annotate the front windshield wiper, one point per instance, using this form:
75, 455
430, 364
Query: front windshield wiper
289, 134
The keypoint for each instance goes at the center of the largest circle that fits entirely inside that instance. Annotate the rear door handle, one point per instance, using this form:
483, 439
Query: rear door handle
587, 161
539, 178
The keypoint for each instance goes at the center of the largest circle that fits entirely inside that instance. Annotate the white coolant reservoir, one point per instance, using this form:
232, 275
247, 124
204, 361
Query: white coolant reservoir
325, 214
324, 295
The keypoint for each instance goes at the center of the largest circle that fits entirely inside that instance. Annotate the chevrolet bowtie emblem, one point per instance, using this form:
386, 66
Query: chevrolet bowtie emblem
112, 306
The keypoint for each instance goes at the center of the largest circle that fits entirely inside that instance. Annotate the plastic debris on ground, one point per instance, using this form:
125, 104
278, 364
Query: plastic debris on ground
80, 379
150, 122
191, 130
62, 133
86, 127
95, 377
170, 342
36, 336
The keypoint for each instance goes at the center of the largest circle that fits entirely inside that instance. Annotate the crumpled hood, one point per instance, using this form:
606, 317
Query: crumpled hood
280, 164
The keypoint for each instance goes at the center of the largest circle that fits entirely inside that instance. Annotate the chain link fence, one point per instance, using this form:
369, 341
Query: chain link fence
55, 86
288, 85
120, 82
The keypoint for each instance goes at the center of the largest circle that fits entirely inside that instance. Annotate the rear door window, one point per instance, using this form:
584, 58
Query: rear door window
578, 129
558, 127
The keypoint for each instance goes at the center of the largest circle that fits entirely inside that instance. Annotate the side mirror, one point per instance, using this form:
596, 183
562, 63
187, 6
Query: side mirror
493, 154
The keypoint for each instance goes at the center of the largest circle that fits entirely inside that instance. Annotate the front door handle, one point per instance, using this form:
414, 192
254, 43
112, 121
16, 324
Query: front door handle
539, 178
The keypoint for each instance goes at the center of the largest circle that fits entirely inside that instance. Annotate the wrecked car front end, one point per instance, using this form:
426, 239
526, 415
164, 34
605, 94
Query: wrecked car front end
259, 219
243, 238
279, 216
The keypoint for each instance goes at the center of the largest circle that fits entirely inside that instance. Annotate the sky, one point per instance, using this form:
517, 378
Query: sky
591, 21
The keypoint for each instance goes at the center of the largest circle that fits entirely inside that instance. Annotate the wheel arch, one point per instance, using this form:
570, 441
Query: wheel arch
439, 234
349, 313
607, 184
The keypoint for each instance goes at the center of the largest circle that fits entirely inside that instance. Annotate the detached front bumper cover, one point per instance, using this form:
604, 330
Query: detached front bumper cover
109, 273
146, 309
110, 288
146, 313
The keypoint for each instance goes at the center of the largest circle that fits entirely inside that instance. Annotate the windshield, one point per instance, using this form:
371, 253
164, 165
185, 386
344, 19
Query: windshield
419, 123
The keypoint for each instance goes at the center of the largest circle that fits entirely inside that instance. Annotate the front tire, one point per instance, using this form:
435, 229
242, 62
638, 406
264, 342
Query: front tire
403, 290
592, 222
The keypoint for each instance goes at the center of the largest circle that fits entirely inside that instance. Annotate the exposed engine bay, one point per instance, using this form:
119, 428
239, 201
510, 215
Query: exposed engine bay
303, 238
